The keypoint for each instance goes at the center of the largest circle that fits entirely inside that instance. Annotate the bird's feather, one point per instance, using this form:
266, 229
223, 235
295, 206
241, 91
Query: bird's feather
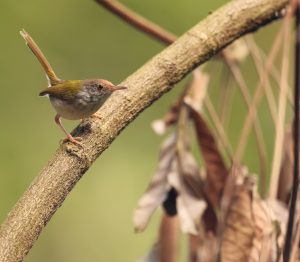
65, 90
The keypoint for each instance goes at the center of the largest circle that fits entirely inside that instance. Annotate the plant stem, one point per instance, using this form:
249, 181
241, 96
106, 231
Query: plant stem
139, 22
289, 233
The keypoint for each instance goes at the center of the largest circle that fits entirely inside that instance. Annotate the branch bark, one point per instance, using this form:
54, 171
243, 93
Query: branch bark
138, 21
47, 192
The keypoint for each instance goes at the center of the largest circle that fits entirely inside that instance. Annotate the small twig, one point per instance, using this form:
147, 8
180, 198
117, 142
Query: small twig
181, 136
218, 126
138, 21
227, 93
51, 76
273, 70
193, 247
292, 211
257, 97
257, 128
168, 238
258, 61
277, 155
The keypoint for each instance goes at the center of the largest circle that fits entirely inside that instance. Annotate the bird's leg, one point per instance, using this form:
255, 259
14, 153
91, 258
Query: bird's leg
69, 136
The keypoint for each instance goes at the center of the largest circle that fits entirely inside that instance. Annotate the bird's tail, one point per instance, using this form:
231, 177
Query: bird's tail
51, 76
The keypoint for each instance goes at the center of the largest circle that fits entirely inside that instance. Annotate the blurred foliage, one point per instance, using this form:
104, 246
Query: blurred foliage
81, 40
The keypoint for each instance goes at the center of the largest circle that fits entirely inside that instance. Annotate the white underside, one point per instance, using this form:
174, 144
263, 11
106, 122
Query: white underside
72, 112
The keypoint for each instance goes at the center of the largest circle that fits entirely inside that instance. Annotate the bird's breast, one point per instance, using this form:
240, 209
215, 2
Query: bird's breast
80, 107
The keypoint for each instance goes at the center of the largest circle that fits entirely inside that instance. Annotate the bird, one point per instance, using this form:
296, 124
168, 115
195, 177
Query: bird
71, 99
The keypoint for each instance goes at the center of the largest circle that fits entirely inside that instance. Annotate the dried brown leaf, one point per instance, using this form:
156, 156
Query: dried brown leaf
279, 219
190, 205
239, 229
158, 187
203, 247
190, 174
228, 193
249, 233
178, 171
186, 180
208, 248
215, 166
197, 97
265, 235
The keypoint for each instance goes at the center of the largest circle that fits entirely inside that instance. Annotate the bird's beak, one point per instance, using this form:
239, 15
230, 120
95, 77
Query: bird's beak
115, 88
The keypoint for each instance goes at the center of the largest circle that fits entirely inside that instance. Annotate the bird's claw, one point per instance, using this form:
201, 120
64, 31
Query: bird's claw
74, 140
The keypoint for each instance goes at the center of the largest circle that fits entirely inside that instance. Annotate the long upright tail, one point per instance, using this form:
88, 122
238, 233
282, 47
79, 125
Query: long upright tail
51, 76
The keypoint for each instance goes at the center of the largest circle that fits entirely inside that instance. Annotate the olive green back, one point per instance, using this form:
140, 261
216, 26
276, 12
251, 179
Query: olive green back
65, 90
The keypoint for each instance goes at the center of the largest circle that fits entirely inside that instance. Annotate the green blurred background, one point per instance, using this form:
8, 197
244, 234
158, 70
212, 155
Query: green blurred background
82, 40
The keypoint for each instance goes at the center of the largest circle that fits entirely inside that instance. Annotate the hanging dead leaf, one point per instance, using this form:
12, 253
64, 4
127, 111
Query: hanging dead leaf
178, 173
158, 188
190, 203
249, 233
265, 234
186, 181
190, 174
177, 178
279, 219
207, 248
189, 207
215, 166
228, 193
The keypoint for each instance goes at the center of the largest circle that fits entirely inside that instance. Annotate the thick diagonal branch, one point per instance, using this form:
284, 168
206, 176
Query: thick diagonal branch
48, 191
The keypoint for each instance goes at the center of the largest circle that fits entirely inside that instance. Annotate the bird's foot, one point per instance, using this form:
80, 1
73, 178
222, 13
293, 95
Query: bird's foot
97, 116
74, 140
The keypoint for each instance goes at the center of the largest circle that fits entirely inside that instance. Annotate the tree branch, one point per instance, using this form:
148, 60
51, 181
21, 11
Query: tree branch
137, 21
47, 192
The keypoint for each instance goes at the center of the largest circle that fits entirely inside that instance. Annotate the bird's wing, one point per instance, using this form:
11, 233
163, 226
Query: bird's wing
65, 90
